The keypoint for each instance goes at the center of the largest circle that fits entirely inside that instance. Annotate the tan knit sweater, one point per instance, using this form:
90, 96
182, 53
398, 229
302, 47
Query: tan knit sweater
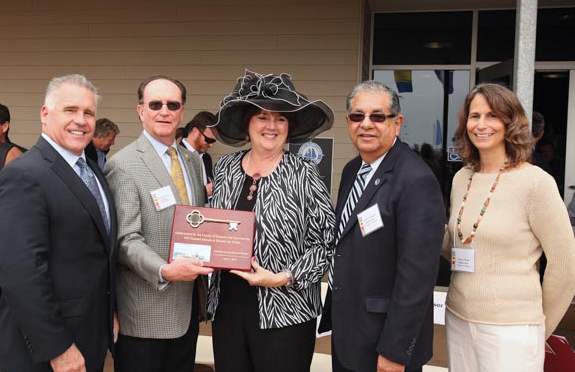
526, 214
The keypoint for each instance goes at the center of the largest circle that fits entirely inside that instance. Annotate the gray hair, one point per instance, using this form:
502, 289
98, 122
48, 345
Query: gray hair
76, 79
377, 87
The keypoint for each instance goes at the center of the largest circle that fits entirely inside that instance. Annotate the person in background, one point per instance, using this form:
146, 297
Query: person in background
8, 150
104, 138
538, 130
180, 134
199, 139
505, 213
571, 210
265, 320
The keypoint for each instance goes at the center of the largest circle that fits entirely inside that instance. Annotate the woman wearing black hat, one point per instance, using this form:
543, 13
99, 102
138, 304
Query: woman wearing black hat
265, 320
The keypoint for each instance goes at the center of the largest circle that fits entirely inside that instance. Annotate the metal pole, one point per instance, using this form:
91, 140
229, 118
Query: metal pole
524, 61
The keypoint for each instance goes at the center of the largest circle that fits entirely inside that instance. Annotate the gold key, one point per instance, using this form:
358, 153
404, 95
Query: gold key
195, 219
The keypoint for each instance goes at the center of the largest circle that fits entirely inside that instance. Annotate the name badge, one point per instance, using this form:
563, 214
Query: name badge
463, 260
370, 220
163, 198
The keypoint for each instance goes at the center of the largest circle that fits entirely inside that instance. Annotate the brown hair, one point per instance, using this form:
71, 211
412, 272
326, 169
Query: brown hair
104, 127
145, 83
201, 120
504, 103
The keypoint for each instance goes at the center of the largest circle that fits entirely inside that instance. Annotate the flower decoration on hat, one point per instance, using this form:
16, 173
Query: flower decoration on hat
254, 85
275, 93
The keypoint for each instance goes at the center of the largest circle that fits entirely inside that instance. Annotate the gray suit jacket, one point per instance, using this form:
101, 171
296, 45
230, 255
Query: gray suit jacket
147, 309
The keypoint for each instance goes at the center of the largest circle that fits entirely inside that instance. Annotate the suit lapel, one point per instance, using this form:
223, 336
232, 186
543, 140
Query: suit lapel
156, 166
192, 176
379, 178
111, 207
74, 182
347, 181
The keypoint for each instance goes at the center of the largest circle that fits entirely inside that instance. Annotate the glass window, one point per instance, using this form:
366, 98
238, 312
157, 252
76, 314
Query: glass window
555, 35
495, 35
422, 38
421, 95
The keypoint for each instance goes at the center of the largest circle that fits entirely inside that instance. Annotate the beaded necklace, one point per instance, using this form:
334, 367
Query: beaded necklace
256, 176
485, 205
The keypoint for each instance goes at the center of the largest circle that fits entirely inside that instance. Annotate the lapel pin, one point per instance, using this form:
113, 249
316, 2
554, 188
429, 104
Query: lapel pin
377, 182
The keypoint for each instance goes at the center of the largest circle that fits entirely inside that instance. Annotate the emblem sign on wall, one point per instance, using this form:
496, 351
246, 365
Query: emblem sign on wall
320, 151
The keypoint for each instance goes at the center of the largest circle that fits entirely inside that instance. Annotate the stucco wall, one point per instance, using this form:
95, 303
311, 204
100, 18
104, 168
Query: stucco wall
205, 44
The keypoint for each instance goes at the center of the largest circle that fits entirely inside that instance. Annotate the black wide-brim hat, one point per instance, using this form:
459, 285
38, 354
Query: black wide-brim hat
272, 93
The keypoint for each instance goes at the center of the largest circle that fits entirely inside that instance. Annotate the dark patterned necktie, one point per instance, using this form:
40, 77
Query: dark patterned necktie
350, 203
87, 175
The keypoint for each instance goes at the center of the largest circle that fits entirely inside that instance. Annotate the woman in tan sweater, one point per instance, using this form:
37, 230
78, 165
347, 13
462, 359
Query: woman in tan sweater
504, 213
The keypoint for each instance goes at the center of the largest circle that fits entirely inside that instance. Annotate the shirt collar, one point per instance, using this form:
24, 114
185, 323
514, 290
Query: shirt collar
70, 157
188, 145
375, 164
158, 146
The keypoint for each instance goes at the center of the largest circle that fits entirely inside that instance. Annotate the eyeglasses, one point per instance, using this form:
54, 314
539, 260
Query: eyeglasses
358, 117
157, 105
209, 140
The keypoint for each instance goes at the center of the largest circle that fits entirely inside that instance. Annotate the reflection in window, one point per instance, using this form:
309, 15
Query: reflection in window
496, 35
422, 38
421, 96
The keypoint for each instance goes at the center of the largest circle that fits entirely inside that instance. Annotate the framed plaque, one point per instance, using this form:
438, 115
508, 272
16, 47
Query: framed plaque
221, 238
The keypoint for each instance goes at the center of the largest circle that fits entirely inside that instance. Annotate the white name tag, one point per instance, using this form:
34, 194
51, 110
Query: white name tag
463, 260
163, 198
370, 220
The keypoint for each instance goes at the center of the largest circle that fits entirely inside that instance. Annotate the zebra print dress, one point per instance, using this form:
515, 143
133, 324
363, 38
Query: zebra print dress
294, 229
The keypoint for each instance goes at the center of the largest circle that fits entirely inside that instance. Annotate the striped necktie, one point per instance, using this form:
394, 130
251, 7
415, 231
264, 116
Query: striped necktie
89, 179
350, 203
178, 176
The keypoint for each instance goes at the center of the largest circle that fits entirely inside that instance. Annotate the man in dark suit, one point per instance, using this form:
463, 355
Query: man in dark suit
104, 138
58, 238
390, 220
200, 138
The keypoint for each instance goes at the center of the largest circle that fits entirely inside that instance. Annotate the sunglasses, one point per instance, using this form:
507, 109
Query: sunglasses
375, 118
157, 105
209, 140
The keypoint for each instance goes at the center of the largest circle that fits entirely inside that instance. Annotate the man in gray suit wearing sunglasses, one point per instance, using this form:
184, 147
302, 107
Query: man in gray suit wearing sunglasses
155, 297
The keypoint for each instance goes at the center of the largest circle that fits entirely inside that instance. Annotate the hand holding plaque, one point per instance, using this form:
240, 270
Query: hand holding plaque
220, 238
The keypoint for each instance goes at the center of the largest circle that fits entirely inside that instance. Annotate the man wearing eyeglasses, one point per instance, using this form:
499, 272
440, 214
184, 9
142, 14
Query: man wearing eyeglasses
148, 177
200, 138
389, 231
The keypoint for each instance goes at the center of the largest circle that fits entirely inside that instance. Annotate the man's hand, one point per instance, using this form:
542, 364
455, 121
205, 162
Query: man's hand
116, 327
261, 277
209, 188
386, 365
70, 360
184, 269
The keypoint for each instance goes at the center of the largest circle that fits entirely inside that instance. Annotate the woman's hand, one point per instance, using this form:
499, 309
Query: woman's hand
261, 277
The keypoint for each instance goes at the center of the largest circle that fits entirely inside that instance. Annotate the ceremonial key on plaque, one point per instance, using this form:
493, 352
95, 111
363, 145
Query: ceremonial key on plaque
221, 238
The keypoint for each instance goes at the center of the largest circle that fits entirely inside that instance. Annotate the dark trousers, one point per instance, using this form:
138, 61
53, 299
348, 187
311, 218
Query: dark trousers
135, 354
241, 346
337, 367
